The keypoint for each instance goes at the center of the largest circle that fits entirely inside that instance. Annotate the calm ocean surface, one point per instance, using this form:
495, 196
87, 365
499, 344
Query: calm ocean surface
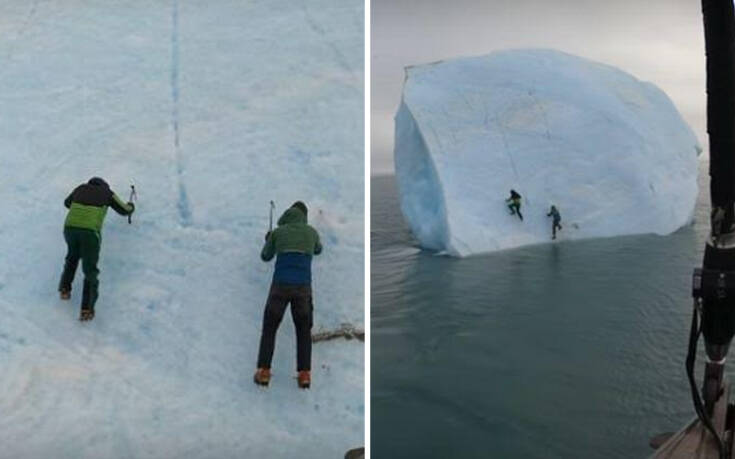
566, 350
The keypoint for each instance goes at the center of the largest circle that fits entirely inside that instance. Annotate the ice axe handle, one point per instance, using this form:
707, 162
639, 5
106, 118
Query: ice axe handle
132, 195
270, 222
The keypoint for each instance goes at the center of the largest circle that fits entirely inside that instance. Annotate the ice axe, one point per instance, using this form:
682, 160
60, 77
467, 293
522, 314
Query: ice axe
270, 223
133, 196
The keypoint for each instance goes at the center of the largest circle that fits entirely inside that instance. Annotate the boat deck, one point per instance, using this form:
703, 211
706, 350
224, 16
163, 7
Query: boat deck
694, 441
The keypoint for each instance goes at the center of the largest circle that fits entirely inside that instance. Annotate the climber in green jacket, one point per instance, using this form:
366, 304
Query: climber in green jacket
514, 204
294, 242
87, 206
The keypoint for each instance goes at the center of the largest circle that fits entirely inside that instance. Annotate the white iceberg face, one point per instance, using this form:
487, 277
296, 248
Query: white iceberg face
610, 151
267, 99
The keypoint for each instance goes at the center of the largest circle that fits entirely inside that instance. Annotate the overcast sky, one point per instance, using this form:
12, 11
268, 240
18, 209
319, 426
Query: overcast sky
660, 41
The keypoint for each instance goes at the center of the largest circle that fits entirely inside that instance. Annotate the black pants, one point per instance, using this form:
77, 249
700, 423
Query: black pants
302, 312
515, 209
85, 245
553, 228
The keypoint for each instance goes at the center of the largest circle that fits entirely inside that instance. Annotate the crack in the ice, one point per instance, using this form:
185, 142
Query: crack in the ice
341, 58
543, 113
501, 127
22, 31
183, 205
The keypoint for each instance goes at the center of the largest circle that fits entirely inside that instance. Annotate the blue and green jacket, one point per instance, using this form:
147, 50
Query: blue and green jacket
88, 205
554, 212
294, 243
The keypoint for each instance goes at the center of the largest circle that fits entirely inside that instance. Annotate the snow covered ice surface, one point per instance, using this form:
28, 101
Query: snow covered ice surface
214, 108
610, 151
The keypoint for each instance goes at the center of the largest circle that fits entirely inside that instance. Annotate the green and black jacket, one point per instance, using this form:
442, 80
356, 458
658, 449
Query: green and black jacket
88, 204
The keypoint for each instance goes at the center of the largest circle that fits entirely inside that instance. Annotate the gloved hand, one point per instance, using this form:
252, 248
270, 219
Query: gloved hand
130, 203
267, 235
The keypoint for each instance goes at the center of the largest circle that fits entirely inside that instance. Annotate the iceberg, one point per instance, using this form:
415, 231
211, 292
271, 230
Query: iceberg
610, 151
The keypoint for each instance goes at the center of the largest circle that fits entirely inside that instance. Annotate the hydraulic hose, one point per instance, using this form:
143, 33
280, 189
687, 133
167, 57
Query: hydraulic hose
694, 333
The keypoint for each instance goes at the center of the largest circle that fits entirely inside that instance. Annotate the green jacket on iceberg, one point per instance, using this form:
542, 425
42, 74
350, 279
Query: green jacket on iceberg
293, 234
88, 204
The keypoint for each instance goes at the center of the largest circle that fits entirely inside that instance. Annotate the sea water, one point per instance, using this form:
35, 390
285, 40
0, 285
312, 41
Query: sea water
560, 350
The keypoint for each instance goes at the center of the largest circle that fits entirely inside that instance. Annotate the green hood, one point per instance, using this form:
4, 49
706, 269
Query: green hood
292, 215
292, 235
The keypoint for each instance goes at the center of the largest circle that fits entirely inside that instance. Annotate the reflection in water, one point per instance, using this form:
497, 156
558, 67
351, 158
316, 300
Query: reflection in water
572, 349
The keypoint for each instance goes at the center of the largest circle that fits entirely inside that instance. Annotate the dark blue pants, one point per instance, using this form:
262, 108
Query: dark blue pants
557, 224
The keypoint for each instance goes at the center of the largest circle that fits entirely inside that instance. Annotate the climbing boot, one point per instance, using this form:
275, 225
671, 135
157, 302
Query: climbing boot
304, 379
262, 376
86, 314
